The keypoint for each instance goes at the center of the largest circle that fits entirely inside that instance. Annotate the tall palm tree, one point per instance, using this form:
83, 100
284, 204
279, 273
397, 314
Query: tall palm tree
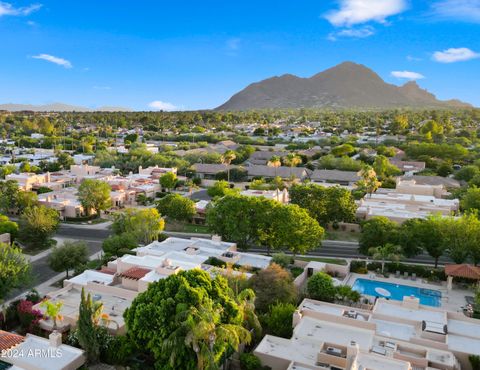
246, 301
227, 158
369, 181
201, 330
387, 252
292, 160
275, 162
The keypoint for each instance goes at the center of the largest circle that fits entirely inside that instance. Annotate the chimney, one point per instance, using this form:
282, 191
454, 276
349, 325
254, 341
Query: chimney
55, 339
352, 351
297, 316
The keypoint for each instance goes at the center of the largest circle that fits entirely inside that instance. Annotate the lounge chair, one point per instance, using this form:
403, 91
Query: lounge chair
397, 274
405, 275
414, 276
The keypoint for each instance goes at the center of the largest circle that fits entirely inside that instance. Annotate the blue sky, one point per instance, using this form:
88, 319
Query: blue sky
195, 54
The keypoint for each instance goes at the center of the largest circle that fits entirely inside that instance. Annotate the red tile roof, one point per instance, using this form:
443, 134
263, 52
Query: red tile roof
9, 340
464, 270
107, 270
135, 273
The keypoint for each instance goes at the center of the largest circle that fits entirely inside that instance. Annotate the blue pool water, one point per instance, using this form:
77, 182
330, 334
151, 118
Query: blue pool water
427, 297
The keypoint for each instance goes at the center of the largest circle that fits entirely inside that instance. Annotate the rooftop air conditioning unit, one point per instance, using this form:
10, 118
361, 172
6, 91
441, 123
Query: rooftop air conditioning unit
334, 351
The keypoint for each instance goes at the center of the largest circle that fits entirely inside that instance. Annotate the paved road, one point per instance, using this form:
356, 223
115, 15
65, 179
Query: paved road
330, 248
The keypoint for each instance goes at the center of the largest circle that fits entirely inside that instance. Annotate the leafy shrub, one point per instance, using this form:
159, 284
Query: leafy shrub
279, 320
320, 286
248, 361
296, 271
29, 318
282, 259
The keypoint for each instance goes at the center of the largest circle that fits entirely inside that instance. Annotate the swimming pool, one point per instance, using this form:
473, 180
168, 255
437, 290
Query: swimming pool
396, 292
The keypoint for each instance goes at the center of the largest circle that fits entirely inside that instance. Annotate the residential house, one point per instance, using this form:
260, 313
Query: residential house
345, 178
393, 335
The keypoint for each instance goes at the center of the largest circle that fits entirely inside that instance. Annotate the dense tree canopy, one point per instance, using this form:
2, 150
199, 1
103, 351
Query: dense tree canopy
186, 320
325, 204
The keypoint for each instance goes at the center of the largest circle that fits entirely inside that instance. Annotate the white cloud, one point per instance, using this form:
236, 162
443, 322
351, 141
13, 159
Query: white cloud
413, 59
353, 12
234, 43
160, 105
56, 60
453, 55
407, 75
358, 33
464, 10
9, 9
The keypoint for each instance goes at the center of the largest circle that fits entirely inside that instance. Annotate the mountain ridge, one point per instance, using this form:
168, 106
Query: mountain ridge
346, 85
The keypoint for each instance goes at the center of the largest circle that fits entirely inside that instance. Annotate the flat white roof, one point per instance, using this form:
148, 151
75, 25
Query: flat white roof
92, 276
320, 331
375, 362
420, 314
38, 353
470, 329
394, 330
463, 344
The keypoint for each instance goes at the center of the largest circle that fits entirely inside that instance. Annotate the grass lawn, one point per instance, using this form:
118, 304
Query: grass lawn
342, 235
199, 229
35, 251
337, 261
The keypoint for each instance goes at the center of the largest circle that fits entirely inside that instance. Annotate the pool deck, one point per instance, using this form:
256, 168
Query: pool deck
451, 300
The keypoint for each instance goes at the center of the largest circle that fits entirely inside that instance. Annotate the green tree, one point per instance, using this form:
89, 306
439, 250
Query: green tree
430, 237
279, 319
7, 226
467, 173
8, 195
368, 182
26, 199
37, 226
409, 235
52, 311
273, 285
343, 150
186, 321
14, 269
220, 189
87, 326
65, 160
68, 257
387, 252
177, 207
345, 293
320, 286
145, 224
383, 168
471, 199
377, 232
236, 219
118, 245
94, 195
326, 205
290, 227
168, 181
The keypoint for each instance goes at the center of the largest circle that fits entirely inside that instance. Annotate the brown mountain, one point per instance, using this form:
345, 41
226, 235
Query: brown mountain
347, 85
